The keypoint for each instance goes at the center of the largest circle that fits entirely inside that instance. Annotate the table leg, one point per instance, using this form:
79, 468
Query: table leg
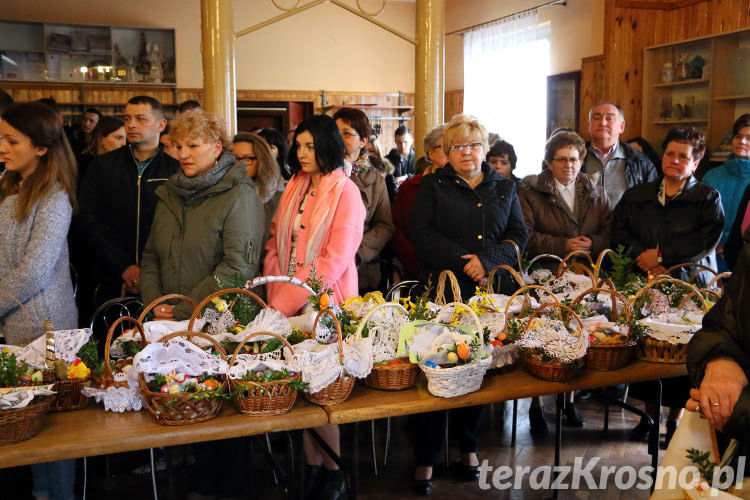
606, 415
372, 442
355, 465
515, 421
299, 439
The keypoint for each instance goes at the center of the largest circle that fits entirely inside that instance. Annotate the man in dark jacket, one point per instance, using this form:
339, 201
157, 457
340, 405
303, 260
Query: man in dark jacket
118, 201
402, 156
613, 164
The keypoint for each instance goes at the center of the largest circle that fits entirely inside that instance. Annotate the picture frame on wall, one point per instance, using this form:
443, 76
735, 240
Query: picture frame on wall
563, 99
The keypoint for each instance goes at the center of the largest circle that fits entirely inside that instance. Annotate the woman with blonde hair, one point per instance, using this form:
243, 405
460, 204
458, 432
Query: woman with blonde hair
37, 199
460, 220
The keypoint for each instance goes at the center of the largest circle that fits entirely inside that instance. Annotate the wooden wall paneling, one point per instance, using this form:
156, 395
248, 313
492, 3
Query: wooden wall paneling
593, 89
454, 103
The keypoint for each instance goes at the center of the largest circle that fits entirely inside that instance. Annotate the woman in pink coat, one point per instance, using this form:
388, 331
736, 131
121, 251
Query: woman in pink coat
319, 223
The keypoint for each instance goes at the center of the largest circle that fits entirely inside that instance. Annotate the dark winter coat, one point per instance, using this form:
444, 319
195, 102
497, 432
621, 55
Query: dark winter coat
117, 207
450, 219
726, 333
687, 229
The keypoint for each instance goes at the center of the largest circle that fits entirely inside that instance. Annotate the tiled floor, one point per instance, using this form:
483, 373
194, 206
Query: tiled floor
394, 479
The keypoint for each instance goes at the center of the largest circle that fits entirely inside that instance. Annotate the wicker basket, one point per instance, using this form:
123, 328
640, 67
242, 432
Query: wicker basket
339, 390
182, 408
69, 396
460, 379
263, 398
20, 424
106, 379
554, 371
387, 377
607, 357
660, 351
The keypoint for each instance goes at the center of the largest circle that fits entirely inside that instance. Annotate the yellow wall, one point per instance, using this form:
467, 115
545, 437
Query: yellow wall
576, 31
324, 47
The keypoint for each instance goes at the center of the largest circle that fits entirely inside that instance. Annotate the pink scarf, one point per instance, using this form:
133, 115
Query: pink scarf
323, 205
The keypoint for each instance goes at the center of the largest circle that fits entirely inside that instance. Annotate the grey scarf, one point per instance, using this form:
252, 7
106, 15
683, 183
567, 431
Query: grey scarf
187, 187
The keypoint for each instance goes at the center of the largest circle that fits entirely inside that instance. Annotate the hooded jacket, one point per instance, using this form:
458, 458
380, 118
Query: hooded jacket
551, 223
450, 219
217, 233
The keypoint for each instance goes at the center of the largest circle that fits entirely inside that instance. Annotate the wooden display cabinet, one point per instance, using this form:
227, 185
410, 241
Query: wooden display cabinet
702, 82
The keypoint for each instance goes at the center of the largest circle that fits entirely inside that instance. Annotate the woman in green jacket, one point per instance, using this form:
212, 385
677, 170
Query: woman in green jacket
209, 224
209, 220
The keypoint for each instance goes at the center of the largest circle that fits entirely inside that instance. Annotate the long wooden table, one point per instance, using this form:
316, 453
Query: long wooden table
369, 404
93, 432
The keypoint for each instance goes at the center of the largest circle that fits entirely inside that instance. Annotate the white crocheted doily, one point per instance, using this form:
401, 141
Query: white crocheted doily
116, 399
553, 337
155, 330
673, 327
320, 366
67, 345
178, 355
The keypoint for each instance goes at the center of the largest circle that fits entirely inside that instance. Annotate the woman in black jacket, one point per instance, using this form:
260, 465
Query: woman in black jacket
672, 221
459, 220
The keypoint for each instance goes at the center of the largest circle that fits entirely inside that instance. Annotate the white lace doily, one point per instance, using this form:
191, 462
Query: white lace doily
247, 363
20, 397
500, 302
553, 337
504, 355
67, 345
155, 330
116, 399
567, 286
178, 355
384, 336
319, 363
673, 327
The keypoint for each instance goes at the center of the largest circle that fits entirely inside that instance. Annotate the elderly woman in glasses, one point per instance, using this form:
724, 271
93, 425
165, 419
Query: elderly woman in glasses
563, 208
461, 216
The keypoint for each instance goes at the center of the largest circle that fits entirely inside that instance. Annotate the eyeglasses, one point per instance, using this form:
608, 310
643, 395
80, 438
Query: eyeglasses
564, 161
247, 158
462, 147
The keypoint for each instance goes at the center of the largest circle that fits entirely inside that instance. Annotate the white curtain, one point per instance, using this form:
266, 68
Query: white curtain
505, 84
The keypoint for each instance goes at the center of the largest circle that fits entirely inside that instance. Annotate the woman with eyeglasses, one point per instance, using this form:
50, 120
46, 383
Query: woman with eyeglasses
260, 165
565, 211
461, 216
563, 208
674, 220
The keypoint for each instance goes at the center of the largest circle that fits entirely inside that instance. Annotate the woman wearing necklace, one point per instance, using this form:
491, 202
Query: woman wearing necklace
667, 222
318, 224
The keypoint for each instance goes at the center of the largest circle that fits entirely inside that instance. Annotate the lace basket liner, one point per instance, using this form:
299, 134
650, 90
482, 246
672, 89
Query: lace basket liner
67, 345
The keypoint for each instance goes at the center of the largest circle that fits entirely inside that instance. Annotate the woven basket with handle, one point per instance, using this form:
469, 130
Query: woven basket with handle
339, 390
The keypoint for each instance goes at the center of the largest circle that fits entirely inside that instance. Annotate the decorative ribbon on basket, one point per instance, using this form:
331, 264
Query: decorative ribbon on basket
254, 397
670, 346
553, 356
183, 408
339, 389
389, 372
605, 354
463, 378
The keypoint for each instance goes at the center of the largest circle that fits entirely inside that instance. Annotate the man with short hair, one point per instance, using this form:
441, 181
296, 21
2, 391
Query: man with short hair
117, 198
614, 164
402, 156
